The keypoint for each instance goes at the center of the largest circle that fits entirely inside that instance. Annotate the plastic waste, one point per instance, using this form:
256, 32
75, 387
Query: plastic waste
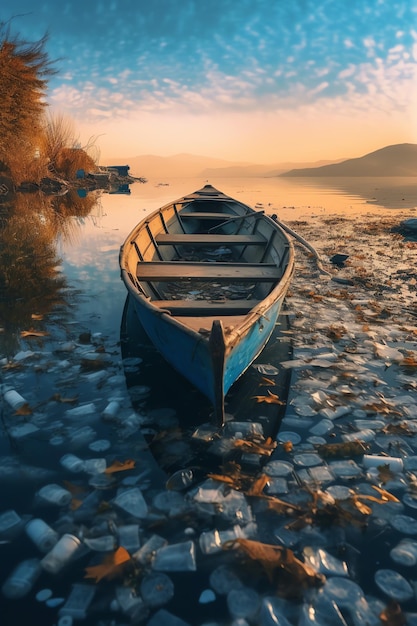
10, 522
61, 554
22, 579
42, 535
177, 557
78, 601
244, 602
132, 501
394, 585
72, 463
14, 399
55, 494
156, 589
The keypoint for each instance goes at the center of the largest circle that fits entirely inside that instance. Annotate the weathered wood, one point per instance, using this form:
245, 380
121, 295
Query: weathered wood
219, 272
209, 240
203, 307
197, 215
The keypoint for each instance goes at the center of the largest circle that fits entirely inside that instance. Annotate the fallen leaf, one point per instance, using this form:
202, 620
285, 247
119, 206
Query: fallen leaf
111, 567
385, 495
280, 565
58, 398
384, 473
34, 333
120, 466
392, 615
258, 486
271, 398
342, 450
24, 410
252, 447
267, 381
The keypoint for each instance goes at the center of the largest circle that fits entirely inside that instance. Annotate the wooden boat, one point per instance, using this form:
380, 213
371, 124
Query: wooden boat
208, 276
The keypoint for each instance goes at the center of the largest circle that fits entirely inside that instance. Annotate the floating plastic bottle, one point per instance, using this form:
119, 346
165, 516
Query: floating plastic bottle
371, 460
42, 535
14, 399
61, 554
22, 579
55, 494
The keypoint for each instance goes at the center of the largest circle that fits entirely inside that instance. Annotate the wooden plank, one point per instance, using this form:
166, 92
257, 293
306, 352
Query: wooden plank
198, 215
209, 240
221, 272
203, 307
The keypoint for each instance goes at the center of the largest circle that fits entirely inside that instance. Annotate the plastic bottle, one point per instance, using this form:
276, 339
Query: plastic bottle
22, 579
61, 553
42, 535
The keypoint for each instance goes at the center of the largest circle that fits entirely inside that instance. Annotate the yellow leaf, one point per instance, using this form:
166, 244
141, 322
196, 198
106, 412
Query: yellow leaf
120, 466
271, 398
110, 567
258, 486
251, 447
279, 563
362, 508
24, 410
34, 333
385, 495
267, 381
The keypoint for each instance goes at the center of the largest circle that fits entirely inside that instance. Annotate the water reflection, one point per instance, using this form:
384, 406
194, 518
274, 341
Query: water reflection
390, 193
30, 282
91, 396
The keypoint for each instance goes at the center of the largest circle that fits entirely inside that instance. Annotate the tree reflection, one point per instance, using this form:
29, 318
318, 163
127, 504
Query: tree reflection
31, 284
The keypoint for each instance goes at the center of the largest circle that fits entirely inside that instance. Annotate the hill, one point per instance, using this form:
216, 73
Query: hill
191, 165
396, 160
177, 165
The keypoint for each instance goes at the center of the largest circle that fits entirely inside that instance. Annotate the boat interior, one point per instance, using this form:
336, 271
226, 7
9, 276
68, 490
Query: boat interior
192, 261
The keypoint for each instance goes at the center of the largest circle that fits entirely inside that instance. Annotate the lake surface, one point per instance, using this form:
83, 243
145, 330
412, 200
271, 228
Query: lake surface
91, 386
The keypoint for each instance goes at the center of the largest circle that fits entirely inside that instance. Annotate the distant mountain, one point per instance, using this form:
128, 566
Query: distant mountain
246, 171
396, 160
191, 165
178, 165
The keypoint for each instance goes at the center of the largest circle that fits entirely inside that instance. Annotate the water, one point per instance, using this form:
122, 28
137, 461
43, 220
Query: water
85, 395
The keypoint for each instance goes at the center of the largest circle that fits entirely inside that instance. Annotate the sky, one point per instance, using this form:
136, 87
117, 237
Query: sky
259, 81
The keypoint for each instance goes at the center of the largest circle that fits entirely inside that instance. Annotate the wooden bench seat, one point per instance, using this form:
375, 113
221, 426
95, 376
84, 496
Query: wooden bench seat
203, 307
218, 272
209, 240
198, 215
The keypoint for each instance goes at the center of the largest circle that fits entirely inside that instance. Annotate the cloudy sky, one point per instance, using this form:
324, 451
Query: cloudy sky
250, 80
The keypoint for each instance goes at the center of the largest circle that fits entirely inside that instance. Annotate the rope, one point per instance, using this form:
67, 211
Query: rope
304, 243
